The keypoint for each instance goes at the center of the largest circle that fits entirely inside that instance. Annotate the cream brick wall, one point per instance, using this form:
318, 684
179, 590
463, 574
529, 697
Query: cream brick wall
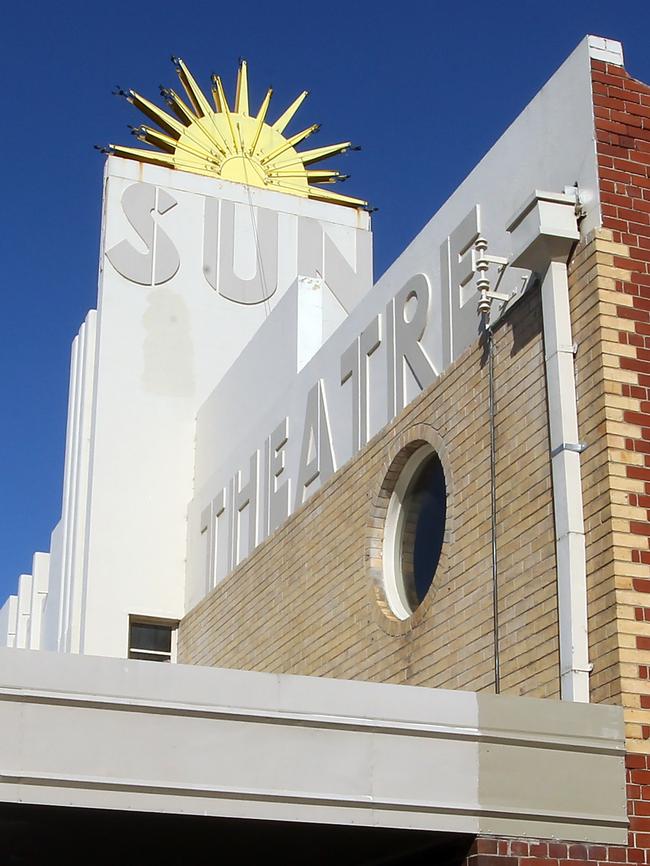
592, 317
308, 601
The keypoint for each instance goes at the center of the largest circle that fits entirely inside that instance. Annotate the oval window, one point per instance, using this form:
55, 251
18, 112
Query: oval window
414, 531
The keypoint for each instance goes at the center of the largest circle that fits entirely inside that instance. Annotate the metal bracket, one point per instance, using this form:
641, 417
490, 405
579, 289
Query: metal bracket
498, 296
568, 350
581, 669
577, 447
481, 264
495, 260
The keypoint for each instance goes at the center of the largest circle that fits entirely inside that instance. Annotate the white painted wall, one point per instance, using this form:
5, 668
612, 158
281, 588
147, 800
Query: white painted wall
40, 582
8, 620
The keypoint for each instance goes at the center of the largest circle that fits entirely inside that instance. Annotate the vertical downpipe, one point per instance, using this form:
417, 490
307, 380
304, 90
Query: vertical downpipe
567, 485
544, 232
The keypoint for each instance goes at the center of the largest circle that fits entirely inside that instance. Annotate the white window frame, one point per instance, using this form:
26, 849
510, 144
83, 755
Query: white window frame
394, 587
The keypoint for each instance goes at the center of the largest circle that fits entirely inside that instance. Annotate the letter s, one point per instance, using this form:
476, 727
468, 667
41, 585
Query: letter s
139, 201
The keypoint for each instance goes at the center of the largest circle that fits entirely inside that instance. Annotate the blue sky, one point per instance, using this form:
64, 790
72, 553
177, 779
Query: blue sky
424, 87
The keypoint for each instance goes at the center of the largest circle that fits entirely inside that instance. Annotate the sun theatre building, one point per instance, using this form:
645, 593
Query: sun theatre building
392, 537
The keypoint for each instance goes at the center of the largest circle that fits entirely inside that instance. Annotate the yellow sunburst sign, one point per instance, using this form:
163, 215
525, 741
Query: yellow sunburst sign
231, 143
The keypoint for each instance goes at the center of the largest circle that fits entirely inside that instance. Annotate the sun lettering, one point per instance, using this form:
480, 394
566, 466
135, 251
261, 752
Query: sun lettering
231, 143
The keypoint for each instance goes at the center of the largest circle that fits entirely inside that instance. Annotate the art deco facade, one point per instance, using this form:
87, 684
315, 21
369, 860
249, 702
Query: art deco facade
395, 546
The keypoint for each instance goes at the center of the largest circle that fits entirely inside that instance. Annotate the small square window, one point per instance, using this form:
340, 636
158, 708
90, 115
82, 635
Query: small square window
152, 640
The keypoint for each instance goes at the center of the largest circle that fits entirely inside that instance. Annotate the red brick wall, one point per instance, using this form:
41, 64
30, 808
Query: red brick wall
622, 109
622, 118
491, 851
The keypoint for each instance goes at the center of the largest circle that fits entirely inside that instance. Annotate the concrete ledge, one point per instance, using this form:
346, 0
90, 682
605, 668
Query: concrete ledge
110, 733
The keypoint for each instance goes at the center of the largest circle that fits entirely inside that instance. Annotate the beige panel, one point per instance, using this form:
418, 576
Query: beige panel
544, 758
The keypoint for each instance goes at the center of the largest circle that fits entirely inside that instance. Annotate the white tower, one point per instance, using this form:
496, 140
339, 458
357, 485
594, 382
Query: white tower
198, 247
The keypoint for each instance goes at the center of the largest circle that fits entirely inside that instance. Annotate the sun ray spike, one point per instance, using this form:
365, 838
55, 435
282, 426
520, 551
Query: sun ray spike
165, 142
220, 95
241, 97
259, 120
306, 157
205, 125
195, 94
182, 111
226, 110
318, 176
326, 176
165, 159
335, 197
195, 133
157, 115
141, 155
207, 120
215, 94
285, 119
318, 153
290, 142
198, 100
153, 136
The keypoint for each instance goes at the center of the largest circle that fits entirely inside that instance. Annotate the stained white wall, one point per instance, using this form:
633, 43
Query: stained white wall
168, 341
165, 331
